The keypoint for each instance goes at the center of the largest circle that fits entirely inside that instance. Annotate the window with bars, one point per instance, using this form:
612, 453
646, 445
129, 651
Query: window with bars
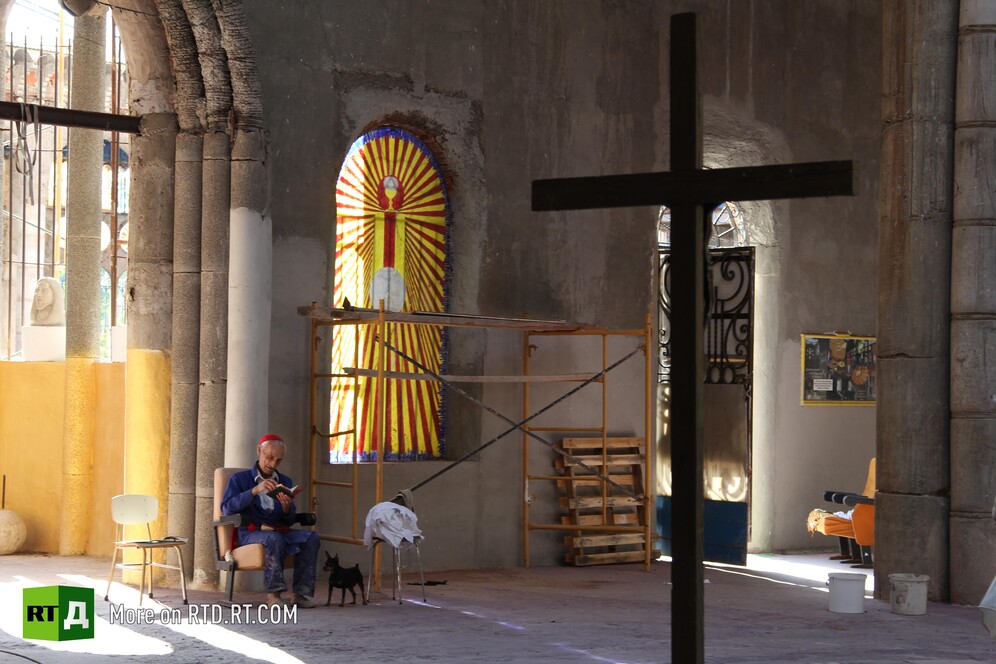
34, 193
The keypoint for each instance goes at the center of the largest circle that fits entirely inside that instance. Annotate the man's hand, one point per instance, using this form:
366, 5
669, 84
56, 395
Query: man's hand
265, 486
285, 501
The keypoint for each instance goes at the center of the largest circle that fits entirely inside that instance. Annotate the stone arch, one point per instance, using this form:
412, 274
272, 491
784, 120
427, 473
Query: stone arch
198, 179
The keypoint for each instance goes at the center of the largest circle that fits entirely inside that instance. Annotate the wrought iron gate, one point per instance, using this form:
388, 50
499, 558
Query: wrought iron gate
728, 346
730, 332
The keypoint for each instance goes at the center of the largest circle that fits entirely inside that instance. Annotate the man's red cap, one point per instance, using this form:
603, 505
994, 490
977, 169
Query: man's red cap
268, 437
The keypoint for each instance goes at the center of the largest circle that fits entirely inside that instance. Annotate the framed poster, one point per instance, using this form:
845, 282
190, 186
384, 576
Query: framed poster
838, 370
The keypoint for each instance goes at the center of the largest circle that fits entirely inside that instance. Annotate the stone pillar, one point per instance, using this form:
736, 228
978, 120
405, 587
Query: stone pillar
83, 217
249, 301
912, 503
215, 197
186, 339
148, 375
973, 308
188, 101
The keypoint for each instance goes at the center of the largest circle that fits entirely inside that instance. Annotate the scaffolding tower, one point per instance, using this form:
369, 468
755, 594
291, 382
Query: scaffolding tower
616, 523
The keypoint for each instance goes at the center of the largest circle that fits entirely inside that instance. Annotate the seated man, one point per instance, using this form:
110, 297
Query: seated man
267, 519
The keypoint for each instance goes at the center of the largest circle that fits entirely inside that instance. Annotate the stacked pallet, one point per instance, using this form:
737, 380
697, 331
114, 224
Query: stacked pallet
591, 501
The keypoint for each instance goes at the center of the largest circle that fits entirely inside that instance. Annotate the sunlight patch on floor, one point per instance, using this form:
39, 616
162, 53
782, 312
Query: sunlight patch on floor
216, 636
108, 639
117, 639
811, 568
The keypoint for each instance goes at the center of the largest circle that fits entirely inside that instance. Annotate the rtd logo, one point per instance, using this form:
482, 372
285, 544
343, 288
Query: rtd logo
58, 613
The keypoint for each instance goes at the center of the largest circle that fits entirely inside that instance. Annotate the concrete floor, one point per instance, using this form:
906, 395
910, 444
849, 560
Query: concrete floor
775, 610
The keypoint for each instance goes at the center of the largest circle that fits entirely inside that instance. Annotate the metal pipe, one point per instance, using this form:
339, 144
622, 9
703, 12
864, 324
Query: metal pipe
312, 414
65, 117
515, 425
115, 140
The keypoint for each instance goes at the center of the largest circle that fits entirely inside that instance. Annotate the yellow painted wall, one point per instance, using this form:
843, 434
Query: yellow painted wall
108, 455
31, 413
147, 443
32, 397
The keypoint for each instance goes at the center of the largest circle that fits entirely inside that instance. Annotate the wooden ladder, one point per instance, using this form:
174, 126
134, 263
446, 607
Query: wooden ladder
590, 501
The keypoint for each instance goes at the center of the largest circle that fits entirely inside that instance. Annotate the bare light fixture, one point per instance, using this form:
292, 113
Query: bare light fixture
78, 7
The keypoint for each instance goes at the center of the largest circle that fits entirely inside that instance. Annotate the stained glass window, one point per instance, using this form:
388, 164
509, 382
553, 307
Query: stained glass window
392, 215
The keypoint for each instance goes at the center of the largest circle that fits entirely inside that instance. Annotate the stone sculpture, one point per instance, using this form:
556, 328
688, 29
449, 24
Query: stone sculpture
48, 307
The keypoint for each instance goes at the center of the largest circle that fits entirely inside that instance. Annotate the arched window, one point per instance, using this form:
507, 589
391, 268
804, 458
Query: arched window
392, 215
728, 232
728, 228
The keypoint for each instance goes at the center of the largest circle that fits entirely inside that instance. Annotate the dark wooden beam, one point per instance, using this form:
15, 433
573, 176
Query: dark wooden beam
755, 183
688, 363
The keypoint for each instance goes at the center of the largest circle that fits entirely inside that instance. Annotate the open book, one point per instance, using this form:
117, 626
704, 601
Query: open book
290, 491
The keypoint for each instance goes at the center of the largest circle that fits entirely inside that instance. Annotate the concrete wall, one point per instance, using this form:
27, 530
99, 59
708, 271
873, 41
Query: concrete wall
514, 91
32, 401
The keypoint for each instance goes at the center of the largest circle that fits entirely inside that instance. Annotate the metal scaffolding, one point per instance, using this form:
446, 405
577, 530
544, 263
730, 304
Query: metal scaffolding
336, 319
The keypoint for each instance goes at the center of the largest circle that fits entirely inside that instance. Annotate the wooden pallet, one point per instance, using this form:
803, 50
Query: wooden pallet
589, 501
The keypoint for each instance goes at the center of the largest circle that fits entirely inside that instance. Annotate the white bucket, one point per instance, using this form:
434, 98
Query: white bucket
908, 594
847, 592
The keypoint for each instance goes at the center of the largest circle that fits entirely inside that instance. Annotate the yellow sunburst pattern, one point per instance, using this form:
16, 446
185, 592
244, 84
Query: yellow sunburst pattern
391, 243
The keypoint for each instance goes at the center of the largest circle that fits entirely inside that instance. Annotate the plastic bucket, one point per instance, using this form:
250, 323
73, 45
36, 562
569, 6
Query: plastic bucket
847, 592
908, 594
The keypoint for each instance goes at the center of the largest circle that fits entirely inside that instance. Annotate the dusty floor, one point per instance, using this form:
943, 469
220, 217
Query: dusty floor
776, 610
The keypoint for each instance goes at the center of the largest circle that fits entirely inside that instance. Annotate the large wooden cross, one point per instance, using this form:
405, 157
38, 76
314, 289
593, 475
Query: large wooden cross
691, 193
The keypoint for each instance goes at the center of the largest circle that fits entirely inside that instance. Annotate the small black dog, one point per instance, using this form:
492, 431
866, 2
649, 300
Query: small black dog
346, 578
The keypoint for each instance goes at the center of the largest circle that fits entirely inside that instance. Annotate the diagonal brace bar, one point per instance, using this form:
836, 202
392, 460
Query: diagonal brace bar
519, 425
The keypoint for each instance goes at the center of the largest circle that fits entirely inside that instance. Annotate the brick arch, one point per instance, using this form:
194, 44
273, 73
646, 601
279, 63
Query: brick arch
417, 125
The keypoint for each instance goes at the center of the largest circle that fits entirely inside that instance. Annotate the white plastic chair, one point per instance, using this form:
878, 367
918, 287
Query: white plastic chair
135, 509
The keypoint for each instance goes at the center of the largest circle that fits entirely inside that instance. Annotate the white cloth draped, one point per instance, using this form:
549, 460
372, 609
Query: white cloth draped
392, 523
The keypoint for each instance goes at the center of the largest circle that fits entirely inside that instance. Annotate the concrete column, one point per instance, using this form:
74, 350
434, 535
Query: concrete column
767, 333
251, 246
911, 519
186, 339
150, 303
973, 308
249, 303
215, 197
83, 216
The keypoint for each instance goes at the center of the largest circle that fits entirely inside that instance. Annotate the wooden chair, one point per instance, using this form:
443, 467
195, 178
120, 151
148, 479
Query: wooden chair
135, 509
247, 557
857, 534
